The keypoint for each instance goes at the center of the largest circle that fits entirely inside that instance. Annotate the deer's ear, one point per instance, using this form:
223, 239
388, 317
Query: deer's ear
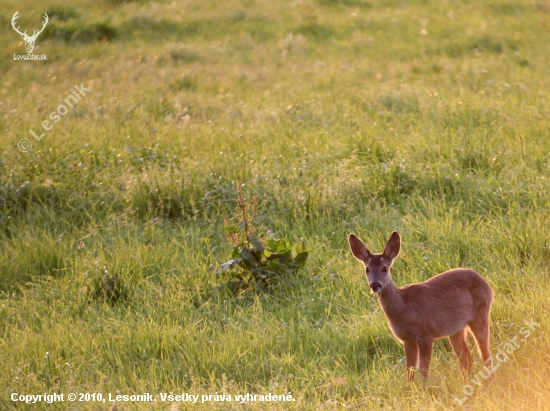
393, 246
358, 249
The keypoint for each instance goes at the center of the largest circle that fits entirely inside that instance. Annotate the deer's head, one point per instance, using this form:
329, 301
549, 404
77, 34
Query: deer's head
29, 40
377, 266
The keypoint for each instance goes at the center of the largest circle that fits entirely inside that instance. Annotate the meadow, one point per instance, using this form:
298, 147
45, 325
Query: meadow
366, 116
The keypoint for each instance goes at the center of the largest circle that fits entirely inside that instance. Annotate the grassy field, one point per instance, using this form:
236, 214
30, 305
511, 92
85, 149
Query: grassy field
428, 117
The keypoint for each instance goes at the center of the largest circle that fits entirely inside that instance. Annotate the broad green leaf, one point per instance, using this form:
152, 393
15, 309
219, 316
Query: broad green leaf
272, 244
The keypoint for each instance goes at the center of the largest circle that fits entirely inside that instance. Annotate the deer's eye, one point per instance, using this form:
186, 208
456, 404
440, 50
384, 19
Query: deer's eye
384, 269
367, 270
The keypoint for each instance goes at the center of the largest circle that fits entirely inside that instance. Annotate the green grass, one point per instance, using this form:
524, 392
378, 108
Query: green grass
346, 116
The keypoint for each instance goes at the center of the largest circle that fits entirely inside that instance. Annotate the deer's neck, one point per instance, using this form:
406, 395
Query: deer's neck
391, 300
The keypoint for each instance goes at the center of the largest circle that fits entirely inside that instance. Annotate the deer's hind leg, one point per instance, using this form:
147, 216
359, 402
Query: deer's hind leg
459, 342
480, 330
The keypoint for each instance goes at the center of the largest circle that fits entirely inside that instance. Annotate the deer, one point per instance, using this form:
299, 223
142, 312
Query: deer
447, 305
29, 40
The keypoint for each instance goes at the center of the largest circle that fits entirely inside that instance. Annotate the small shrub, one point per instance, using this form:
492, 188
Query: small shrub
256, 263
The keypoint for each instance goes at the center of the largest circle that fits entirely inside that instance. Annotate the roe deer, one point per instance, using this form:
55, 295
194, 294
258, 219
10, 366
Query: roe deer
445, 305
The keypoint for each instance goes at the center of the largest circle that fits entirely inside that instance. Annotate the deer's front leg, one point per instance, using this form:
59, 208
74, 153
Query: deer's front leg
411, 356
425, 348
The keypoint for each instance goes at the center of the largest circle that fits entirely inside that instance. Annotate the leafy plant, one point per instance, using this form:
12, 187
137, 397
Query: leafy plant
258, 262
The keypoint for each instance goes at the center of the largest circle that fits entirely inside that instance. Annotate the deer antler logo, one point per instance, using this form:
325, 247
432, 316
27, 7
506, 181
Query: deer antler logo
29, 40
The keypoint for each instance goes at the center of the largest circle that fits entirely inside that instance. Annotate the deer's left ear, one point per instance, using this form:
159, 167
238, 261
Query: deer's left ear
393, 246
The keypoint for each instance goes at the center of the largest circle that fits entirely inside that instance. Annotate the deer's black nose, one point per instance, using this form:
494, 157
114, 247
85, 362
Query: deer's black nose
375, 287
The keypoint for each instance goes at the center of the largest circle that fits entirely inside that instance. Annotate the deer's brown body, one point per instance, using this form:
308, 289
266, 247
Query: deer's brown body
443, 306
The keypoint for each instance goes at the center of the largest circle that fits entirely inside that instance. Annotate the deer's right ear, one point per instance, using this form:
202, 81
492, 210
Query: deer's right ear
358, 249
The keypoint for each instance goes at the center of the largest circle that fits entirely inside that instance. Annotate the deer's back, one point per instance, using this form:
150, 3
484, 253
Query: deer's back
442, 305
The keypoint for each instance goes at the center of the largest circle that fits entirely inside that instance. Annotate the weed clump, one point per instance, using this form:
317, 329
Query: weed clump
257, 263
